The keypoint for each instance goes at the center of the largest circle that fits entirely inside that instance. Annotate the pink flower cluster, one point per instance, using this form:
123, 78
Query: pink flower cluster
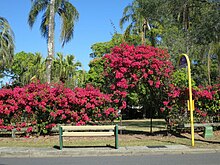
46, 105
207, 103
127, 66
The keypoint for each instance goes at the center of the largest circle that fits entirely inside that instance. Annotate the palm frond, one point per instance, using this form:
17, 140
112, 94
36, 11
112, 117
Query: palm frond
6, 41
37, 7
44, 28
128, 31
69, 16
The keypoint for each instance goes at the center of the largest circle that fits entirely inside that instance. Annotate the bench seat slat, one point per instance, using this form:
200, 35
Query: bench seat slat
77, 134
86, 128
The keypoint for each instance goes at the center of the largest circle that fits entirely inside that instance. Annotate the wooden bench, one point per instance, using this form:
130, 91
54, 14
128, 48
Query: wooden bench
88, 131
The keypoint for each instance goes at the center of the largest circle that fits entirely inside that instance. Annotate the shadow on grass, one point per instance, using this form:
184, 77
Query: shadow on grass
143, 123
196, 139
84, 147
208, 141
169, 133
154, 133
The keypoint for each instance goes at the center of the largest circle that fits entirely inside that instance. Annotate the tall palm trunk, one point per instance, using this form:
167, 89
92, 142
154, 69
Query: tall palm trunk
186, 25
146, 27
50, 44
143, 40
209, 65
217, 47
219, 66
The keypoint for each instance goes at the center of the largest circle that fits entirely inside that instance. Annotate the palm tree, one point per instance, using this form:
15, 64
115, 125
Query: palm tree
136, 25
6, 43
67, 70
142, 15
68, 14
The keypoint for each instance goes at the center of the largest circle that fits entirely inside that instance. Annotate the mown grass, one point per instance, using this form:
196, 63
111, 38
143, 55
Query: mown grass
137, 134
143, 125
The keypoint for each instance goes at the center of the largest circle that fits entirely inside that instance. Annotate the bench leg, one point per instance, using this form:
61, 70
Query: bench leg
61, 137
116, 136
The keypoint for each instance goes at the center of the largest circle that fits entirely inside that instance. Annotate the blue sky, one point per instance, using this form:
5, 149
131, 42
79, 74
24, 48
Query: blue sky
94, 26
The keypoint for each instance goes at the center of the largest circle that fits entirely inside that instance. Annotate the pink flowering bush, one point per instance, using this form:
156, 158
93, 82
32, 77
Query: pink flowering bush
44, 106
207, 105
144, 70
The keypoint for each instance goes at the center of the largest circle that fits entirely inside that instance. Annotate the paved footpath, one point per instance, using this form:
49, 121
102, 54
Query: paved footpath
101, 151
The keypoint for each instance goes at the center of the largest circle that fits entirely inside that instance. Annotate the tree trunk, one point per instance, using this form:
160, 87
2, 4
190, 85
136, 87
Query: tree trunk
218, 56
50, 44
219, 67
143, 33
186, 25
209, 65
146, 27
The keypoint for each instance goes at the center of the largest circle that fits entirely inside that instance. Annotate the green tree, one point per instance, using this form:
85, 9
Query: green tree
6, 44
27, 66
143, 18
101, 48
192, 27
67, 71
95, 74
68, 14
209, 36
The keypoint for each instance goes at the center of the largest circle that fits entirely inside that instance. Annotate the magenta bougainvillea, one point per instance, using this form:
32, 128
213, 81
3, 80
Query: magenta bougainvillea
207, 105
129, 67
44, 106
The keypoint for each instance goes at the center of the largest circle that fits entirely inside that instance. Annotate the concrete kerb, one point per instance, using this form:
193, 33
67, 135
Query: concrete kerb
105, 151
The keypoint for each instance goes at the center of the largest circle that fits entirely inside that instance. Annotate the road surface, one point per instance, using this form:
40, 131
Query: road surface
183, 159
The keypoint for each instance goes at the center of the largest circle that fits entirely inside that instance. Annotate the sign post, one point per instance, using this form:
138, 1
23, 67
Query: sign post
184, 62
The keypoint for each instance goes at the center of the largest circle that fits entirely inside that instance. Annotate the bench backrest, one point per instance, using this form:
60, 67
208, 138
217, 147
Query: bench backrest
106, 130
78, 131
88, 128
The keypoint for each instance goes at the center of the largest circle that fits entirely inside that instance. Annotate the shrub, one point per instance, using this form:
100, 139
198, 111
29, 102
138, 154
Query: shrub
141, 71
207, 105
44, 106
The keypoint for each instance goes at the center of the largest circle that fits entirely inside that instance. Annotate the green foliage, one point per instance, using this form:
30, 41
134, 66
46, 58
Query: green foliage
102, 48
67, 71
180, 78
27, 66
95, 75
142, 17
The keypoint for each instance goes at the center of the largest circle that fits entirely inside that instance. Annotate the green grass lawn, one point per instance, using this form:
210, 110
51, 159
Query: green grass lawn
137, 133
143, 125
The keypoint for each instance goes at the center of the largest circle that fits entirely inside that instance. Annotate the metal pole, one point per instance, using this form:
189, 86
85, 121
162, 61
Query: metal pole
116, 136
190, 99
61, 137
